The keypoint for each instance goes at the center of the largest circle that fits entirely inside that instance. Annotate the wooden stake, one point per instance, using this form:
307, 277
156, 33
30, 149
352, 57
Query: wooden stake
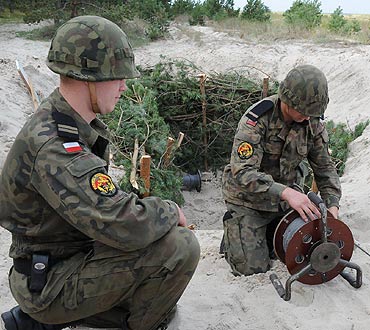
265, 88
179, 139
203, 78
314, 186
133, 165
167, 154
145, 173
27, 81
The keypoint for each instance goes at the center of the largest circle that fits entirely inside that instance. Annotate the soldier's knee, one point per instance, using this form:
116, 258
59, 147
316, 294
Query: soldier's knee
247, 269
186, 246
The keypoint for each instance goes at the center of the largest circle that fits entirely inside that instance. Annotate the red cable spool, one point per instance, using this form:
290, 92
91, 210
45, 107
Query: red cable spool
315, 251
298, 243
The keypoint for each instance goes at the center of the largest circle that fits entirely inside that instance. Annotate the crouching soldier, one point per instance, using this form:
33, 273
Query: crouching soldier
84, 251
265, 175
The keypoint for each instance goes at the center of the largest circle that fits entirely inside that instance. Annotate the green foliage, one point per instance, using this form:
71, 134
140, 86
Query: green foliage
339, 24
155, 12
167, 100
198, 15
212, 9
167, 185
181, 7
337, 20
256, 10
339, 139
304, 13
8, 17
352, 26
179, 100
137, 117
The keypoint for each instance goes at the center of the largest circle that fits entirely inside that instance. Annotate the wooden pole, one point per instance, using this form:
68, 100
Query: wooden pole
265, 88
145, 173
167, 154
179, 139
133, 165
314, 186
203, 78
27, 82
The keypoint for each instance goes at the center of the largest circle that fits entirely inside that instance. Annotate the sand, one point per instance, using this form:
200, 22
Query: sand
215, 299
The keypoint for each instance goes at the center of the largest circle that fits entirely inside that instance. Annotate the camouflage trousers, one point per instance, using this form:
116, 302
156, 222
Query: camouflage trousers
127, 290
248, 236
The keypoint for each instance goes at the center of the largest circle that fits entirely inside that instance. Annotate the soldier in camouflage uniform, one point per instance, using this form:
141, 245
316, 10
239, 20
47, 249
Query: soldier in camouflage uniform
84, 251
260, 184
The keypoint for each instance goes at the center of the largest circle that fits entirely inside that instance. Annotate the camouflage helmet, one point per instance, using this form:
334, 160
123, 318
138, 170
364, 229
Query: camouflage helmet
91, 48
305, 89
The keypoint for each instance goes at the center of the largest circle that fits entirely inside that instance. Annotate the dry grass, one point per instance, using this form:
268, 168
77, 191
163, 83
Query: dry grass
277, 29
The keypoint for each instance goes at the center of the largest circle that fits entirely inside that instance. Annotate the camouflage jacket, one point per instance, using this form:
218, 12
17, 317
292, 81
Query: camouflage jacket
56, 195
266, 155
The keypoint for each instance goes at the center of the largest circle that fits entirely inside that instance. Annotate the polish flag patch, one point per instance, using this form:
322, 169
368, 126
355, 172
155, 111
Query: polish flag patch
251, 122
72, 146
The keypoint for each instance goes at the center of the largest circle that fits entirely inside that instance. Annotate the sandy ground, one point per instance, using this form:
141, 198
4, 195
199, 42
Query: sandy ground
215, 299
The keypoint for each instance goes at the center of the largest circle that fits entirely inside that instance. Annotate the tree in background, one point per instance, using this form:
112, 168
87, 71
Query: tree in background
256, 10
181, 7
9, 4
337, 20
339, 24
304, 13
216, 9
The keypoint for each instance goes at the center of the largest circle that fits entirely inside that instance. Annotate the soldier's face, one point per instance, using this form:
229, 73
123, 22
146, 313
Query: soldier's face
291, 114
108, 94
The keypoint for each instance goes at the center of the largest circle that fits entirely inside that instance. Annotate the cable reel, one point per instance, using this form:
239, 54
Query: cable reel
314, 252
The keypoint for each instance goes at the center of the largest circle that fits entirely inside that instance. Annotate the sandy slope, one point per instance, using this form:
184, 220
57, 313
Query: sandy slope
215, 299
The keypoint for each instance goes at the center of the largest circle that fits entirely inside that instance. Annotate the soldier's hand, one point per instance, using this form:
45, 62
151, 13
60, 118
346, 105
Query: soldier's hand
182, 219
334, 211
301, 203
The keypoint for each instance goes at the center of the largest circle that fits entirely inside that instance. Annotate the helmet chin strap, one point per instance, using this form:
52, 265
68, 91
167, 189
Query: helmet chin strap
93, 98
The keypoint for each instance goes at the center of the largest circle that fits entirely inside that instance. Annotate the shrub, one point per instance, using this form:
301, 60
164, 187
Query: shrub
337, 20
256, 10
339, 139
339, 24
304, 13
352, 26
198, 15
181, 7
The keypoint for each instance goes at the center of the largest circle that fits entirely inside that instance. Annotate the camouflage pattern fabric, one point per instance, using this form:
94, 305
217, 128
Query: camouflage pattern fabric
50, 204
246, 248
91, 48
305, 89
265, 159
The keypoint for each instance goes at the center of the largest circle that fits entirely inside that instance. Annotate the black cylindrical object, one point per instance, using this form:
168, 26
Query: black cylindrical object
192, 181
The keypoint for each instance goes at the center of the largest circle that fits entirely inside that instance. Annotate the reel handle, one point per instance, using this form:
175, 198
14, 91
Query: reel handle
323, 210
315, 199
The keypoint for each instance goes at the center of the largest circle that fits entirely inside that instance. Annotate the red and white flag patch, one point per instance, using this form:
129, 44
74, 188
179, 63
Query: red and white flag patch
72, 146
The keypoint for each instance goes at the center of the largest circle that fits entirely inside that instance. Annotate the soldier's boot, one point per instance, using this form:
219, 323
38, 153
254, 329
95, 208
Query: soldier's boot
15, 319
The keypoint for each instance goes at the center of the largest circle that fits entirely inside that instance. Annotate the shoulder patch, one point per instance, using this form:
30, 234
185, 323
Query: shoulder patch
72, 147
245, 150
257, 111
103, 185
66, 126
